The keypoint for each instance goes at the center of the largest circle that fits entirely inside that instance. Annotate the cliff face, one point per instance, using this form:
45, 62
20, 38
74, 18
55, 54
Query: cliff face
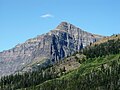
48, 48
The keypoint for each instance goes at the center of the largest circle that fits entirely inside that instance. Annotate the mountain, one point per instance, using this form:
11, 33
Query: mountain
99, 71
95, 67
45, 49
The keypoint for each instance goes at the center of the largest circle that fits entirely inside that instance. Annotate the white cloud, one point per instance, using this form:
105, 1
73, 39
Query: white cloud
46, 16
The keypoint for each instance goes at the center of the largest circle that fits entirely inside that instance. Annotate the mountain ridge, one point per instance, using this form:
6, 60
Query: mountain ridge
47, 48
94, 67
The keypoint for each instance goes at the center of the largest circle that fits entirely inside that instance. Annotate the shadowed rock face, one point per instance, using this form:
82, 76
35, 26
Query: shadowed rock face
61, 42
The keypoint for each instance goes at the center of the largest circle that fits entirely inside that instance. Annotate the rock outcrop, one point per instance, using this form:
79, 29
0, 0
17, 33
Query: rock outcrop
48, 48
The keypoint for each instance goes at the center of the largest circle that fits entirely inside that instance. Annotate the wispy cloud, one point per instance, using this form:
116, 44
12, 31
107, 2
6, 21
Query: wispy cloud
46, 16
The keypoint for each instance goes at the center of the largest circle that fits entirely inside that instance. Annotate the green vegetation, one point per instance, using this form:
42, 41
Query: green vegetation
100, 71
103, 49
13, 82
87, 78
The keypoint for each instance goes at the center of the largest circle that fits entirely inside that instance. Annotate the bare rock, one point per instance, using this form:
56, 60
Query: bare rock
48, 48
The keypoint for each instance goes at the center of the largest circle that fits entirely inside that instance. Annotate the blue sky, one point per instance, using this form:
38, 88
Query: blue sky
24, 19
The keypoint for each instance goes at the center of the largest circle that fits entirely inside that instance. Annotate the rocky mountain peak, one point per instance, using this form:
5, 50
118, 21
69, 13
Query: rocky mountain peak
45, 49
65, 26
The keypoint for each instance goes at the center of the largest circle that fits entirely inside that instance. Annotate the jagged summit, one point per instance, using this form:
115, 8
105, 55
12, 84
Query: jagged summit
65, 26
45, 49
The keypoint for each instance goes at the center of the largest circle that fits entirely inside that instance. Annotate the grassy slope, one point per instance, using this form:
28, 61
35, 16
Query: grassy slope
86, 67
105, 39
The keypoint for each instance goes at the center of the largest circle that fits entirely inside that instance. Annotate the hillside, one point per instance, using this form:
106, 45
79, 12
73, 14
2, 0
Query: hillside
105, 39
94, 75
101, 72
97, 71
